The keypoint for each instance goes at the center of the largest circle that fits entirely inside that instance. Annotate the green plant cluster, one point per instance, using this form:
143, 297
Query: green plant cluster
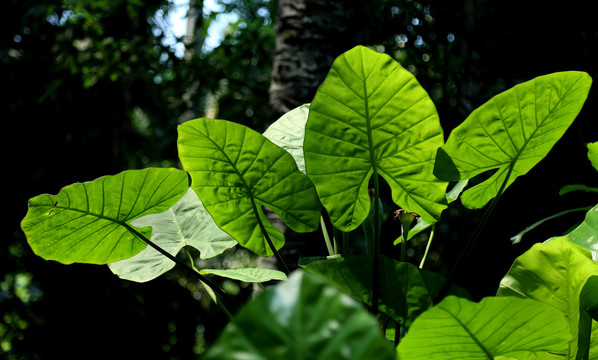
322, 165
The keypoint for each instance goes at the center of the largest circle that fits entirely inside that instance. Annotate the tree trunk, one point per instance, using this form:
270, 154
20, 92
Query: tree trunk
310, 34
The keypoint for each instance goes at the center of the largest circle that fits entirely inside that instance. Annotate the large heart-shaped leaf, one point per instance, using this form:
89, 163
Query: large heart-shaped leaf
370, 117
495, 328
303, 319
90, 222
235, 171
288, 132
403, 293
562, 275
511, 133
586, 234
186, 223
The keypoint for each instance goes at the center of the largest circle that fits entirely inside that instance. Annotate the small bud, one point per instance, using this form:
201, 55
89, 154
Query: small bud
406, 218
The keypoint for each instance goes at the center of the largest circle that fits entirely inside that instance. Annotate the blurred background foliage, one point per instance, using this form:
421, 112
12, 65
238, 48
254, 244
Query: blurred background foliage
94, 87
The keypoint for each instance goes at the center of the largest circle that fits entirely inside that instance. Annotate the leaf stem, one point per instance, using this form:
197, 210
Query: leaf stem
421, 264
376, 247
281, 262
326, 237
217, 290
208, 288
473, 239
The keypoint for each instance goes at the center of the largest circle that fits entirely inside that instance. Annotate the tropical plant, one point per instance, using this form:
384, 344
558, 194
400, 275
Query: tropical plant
322, 166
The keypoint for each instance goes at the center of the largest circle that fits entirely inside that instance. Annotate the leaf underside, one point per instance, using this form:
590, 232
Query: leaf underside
186, 223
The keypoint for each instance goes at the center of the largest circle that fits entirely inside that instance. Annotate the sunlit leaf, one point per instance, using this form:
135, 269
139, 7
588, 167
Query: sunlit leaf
586, 234
186, 223
495, 328
247, 274
237, 171
90, 222
288, 132
370, 117
511, 133
563, 275
303, 319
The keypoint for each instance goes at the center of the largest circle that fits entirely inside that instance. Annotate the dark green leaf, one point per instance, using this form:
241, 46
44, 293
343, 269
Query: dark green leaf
403, 293
303, 319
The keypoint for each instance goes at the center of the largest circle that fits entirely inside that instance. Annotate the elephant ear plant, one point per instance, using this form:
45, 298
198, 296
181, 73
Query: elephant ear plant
322, 166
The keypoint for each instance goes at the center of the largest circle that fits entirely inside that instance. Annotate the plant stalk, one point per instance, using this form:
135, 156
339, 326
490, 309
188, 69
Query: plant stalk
473, 239
326, 237
217, 290
428, 245
209, 289
376, 248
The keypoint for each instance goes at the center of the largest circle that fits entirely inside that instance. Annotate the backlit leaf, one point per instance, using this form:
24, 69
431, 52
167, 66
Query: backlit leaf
370, 117
90, 222
511, 133
236, 171
494, 328
563, 275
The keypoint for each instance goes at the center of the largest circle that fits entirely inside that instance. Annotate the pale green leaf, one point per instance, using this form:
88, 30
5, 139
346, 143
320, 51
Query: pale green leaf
247, 274
371, 117
511, 133
288, 132
495, 328
90, 222
186, 223
586, 234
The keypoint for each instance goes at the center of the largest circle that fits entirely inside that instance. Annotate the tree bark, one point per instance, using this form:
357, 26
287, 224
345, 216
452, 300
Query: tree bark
310, 34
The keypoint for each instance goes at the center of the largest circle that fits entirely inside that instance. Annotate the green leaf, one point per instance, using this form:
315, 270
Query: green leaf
236, 171
371, 117
288, 132
561, 274
495, 328
594, 341
576, 187
593, 154
90, 222
403, 293
303, 319
247, 274
186, 223
586, 234
511, 133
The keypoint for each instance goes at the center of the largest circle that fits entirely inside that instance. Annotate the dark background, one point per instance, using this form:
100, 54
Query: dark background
91, 90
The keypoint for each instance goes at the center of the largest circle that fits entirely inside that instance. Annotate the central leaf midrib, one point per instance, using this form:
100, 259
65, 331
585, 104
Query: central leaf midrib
471, 335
